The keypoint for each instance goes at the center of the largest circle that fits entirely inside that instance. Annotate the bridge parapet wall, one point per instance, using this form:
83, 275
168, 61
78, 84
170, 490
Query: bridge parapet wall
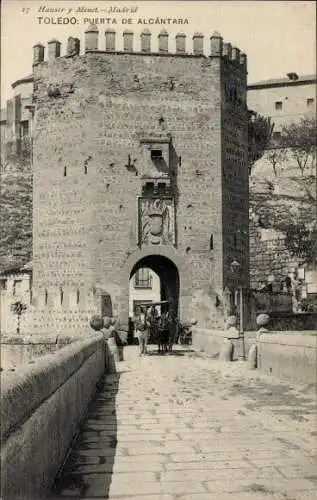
290, 355
41, 407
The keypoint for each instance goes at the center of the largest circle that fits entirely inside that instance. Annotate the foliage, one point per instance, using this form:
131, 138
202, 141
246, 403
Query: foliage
260, 129
19, 152
300, 139
275, 156
18, 308
302, 242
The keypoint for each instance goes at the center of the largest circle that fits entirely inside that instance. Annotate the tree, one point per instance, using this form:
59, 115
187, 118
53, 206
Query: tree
18, 308
299, 138
260, 129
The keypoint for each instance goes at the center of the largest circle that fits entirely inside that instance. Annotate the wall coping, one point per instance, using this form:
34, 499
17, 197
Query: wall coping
23, 391
301, 339
36, 339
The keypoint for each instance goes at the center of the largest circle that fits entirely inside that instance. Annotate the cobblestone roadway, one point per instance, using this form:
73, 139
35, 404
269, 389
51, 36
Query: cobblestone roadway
180, 427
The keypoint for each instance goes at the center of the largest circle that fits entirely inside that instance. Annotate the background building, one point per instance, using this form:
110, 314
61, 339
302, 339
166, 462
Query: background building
284, 100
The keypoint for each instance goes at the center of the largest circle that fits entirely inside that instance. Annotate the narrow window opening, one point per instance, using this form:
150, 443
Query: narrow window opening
17, 285
24, 129
45, 297
65, 171
77, 296
85, 169
211, 242
61, 296
235, 241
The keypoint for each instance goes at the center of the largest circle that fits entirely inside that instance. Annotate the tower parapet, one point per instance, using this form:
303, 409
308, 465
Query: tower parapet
54, 49
218, 48
38, 53
146, 41
91, 37
128, 41
110, 38
180, 40
198, 44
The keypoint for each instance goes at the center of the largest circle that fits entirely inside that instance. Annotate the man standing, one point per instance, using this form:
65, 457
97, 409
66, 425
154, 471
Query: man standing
152, 316
141, 330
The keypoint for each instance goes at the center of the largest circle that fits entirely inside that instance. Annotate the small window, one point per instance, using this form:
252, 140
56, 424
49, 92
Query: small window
161, 187
156, 154
148, 188
278, 105
276, 136
77, 297
143, 278
310, 101
45, 297
65, 171
61, 296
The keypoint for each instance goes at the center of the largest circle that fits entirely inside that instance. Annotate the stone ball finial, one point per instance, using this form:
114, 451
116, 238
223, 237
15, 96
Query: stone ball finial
262, 319
96, 322
231, 321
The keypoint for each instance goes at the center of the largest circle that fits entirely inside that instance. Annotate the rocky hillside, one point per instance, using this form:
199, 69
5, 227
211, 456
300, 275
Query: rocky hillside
15, 212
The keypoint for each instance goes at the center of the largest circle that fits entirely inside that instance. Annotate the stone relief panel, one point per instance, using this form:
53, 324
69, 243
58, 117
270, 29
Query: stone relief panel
156, 218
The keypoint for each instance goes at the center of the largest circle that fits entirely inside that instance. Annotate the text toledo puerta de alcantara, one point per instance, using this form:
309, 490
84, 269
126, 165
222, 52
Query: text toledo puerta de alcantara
70, 15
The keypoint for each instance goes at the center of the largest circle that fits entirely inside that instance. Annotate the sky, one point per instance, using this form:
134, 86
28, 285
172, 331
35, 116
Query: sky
278, 37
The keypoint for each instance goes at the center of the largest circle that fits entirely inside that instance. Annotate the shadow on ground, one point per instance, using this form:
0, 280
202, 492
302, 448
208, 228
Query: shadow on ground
88, 470
179, 352
280, 398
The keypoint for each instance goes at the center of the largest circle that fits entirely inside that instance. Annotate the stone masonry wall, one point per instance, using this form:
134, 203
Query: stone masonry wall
235, 183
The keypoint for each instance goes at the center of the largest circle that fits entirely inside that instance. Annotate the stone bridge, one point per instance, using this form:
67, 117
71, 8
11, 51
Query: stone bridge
174, 427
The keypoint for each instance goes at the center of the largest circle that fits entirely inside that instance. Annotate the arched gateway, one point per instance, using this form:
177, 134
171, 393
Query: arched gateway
168, 274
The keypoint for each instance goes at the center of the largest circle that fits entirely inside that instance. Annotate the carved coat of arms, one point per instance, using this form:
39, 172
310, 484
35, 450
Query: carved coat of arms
156, 221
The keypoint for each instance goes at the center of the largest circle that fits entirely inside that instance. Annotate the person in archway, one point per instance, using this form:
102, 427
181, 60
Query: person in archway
163, 332
141, 330
171, 327
152, 317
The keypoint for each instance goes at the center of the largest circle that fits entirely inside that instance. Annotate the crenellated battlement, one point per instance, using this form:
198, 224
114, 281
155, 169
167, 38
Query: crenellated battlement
179, 47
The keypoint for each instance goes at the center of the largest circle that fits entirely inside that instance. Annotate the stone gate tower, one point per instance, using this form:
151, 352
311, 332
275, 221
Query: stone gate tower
140, 159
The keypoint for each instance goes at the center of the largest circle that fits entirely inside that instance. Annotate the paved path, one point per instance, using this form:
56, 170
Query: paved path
185, 427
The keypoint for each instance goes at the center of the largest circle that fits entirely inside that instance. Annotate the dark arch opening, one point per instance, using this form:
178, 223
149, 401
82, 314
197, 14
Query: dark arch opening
168, 274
